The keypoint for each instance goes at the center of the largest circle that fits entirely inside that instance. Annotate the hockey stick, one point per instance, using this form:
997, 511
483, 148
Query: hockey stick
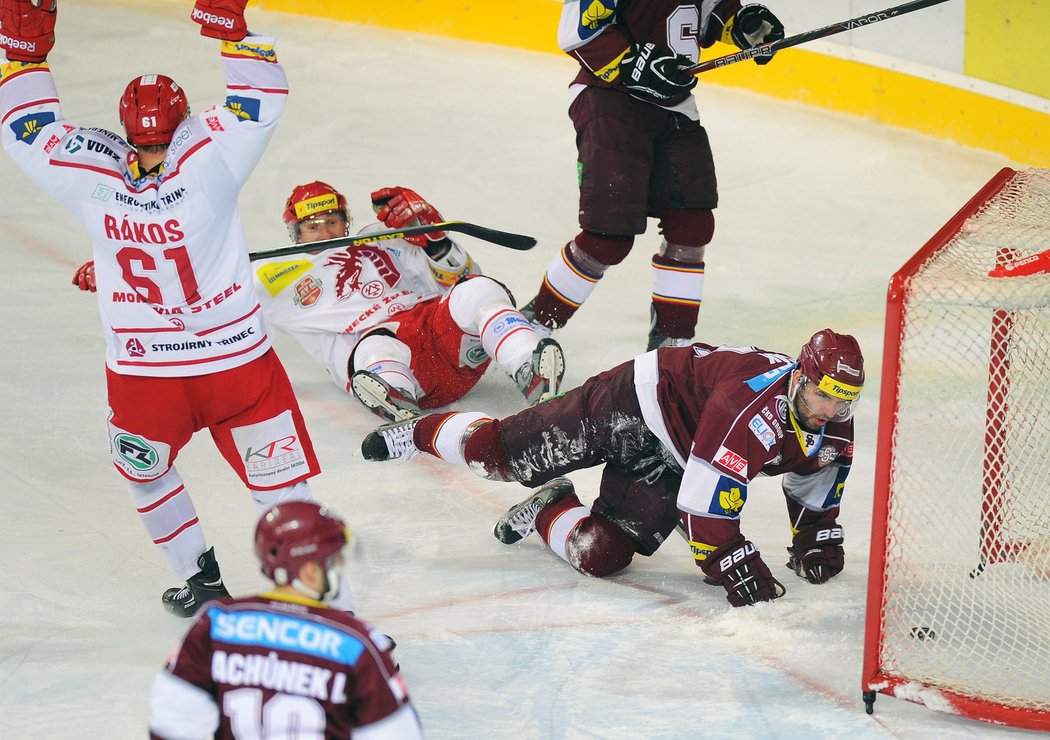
506, 239
768, 50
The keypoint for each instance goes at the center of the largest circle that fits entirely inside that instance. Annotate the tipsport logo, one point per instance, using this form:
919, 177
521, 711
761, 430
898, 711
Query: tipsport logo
136, 452
29, 126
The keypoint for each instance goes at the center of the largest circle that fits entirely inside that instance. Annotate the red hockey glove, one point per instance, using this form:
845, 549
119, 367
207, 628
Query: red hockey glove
656, 73
27, 29
221, 19
738, 567
755, 25
816, 552
399, 207
84, 277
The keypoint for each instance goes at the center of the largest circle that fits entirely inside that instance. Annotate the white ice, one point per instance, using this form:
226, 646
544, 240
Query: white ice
817, 210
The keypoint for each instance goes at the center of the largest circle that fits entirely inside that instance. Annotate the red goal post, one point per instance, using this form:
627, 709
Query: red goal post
958, 607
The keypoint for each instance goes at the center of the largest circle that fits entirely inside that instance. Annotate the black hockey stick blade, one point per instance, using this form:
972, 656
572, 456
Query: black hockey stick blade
506, 239
768, 50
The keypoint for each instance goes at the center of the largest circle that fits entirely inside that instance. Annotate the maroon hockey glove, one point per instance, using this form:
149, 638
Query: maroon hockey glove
27, 29
84, 277
221, 19
399, 207
816, 552
738, 567
656, 73
755, 25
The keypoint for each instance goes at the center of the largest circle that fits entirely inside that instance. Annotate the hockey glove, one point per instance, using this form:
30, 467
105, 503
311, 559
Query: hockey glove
27, 29
738, 567
755, 25
816, 552
656, 73
84, 277
399, 207
221, 19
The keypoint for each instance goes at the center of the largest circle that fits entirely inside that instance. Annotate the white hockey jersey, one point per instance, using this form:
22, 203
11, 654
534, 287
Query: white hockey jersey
329, 300
171, 263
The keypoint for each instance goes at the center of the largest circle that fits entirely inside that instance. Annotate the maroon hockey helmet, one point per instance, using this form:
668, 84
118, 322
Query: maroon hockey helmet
313, 199
834, 364
295, 533
151, 108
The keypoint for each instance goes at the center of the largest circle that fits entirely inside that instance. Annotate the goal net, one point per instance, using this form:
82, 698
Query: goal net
959, 586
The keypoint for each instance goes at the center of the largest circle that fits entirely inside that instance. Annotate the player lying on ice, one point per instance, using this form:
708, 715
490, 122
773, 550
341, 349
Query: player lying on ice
403, 324
187, 347
291, 657
681, 432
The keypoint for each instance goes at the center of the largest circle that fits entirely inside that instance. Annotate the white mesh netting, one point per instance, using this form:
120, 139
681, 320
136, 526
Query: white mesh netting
970, 477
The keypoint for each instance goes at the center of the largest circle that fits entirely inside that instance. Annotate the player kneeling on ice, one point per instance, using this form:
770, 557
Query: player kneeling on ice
403, 324
681, 432
187, 347
288, 662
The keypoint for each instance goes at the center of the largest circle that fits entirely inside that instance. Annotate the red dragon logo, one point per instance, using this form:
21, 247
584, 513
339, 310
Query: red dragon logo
351, 264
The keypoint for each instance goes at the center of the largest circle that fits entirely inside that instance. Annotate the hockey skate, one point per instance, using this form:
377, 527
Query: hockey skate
520, 520
205, 586
529, 312
381, 398
540, 378
389, 441
658, 340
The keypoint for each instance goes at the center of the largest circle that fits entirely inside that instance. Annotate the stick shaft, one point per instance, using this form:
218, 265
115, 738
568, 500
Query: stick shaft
819, 33
506, 239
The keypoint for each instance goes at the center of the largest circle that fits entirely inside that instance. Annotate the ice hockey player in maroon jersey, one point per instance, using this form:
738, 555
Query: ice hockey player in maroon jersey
681, 432
642, 150
187, 347
285, 664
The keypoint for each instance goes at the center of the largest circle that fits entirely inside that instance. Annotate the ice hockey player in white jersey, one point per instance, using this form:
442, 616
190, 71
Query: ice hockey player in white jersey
403, 324
183, 326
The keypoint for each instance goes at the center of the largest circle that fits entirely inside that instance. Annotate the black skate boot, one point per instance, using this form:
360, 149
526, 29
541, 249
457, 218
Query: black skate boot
389, 441
207, 585
658, 340
520, 520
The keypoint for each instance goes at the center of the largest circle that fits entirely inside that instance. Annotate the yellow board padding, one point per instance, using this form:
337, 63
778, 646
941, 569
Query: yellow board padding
1005, 43
897, 99
525, 24
943, 111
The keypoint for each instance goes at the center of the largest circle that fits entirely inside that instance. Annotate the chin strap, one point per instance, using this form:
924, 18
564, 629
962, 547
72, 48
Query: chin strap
809, 441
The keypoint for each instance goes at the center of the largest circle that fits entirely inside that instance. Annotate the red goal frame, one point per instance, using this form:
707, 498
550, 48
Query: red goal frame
874, 679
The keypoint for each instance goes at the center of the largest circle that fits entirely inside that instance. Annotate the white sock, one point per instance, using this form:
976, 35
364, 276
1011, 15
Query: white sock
171, 520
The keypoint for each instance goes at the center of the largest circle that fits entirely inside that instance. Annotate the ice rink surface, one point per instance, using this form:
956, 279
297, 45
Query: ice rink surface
817, 210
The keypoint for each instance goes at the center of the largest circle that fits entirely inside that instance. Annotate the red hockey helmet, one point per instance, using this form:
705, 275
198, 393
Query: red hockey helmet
295, 533
151, 108
834, 364
313, 199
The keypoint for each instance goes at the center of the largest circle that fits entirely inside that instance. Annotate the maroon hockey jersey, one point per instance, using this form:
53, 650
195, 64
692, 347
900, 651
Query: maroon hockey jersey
597, 34
723, 412
273, 666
